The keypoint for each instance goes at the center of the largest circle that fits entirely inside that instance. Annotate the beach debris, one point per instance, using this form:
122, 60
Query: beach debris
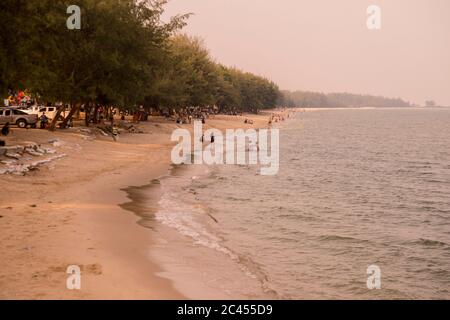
13, 155
5, 150
84, 130
39, 149
56, 143
33, 152
8, 162
21, 169
103, 132
133, 129
18, 150
41, 162
18, 159
212, 217
49, 151
17, 169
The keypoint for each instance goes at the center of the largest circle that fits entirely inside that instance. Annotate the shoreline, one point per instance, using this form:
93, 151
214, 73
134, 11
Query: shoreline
122, 242
198, 266
72, 213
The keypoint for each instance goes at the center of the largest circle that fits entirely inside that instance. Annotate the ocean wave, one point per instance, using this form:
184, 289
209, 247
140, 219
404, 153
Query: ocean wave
430, 243
341, 238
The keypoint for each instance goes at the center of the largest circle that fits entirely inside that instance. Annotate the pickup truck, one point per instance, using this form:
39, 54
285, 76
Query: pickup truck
18, 117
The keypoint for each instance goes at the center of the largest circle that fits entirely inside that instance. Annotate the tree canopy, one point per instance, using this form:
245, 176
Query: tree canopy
124, 55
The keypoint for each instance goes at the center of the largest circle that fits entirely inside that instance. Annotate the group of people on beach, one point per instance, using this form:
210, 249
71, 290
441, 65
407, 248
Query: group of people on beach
276, 118
187, 115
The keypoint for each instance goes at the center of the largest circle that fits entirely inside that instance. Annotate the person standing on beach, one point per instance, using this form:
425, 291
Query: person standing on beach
5, 129
212, 138
115, 132
44, 120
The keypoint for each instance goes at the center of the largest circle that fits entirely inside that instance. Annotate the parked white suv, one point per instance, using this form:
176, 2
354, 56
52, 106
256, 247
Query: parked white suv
50, 112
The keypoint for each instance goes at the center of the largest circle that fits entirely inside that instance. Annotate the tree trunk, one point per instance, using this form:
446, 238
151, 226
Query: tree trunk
70, 115
77, 114
55, 119
111, 115
95, 121
87, 114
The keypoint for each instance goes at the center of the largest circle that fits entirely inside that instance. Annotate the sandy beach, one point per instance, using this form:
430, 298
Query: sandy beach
76, 210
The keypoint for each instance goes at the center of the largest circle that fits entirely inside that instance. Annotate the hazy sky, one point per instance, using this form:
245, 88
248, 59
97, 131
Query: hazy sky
325, 45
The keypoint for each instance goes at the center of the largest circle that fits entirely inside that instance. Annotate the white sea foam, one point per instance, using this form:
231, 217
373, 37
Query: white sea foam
182, 217
176, 211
